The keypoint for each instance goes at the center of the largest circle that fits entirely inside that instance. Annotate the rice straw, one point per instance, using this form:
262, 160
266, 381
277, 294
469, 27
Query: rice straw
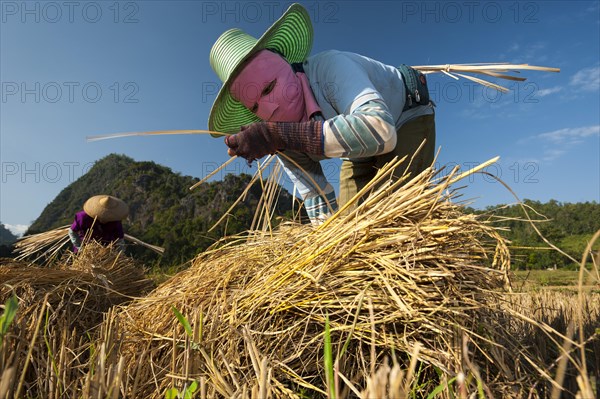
151, 133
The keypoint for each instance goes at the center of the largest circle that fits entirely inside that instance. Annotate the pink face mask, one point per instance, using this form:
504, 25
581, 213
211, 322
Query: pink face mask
268, 87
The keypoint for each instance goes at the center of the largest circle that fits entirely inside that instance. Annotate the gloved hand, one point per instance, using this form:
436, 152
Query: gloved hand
261, 138
255, 141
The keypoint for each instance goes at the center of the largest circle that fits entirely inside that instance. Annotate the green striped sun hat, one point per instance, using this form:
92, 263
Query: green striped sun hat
291, 35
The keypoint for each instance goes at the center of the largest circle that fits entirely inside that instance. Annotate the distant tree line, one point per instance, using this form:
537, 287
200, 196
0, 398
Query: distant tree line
569, 226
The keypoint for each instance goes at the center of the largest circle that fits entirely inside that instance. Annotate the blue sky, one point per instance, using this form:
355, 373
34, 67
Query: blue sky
74, 69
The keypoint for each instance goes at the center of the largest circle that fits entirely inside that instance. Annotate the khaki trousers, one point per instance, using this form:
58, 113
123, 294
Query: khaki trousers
355, 174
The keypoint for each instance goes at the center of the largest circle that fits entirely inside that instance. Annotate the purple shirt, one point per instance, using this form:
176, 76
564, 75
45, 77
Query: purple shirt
102, 232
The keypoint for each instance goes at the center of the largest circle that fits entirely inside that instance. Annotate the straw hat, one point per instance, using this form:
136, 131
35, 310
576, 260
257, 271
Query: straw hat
291, 35
106, 208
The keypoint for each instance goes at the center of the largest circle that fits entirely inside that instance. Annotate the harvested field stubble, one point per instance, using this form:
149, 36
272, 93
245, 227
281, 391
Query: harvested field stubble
545, 323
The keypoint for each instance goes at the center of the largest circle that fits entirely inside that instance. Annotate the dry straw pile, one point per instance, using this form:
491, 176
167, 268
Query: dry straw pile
406, 272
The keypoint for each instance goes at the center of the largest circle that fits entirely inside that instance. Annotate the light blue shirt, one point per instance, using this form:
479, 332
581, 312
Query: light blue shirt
362, 101
342, 81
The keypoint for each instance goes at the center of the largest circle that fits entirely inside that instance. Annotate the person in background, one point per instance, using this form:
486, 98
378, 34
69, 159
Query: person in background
100, 220
335, 104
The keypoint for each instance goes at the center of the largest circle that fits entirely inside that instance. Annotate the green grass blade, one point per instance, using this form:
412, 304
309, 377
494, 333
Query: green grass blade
440, 388
10, 311
480, 389
184, 322
328, 360
171, 393
189, 391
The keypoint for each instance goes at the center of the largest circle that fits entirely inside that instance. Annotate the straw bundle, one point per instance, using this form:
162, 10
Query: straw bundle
489, 70
48, 245
406, 269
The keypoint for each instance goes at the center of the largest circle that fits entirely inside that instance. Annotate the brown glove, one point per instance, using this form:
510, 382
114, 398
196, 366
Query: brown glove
261, 138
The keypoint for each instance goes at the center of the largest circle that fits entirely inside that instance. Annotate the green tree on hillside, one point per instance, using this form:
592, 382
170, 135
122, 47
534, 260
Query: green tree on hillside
7, 238
569, 226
